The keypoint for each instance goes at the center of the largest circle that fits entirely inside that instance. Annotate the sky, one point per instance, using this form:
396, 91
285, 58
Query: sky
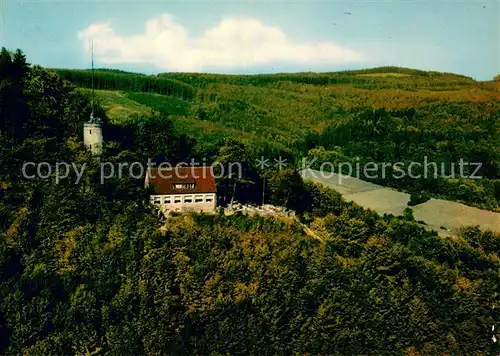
248, 37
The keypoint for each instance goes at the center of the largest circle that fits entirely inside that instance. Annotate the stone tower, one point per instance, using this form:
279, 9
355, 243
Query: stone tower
92, 135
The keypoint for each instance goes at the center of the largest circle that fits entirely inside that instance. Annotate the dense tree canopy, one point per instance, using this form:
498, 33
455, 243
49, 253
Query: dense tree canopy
117, 80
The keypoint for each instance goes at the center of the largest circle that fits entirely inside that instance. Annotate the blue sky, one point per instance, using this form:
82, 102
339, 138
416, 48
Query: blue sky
257, 36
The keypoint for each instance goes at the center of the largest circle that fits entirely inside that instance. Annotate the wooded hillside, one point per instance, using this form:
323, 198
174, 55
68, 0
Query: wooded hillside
88, 269
381, 115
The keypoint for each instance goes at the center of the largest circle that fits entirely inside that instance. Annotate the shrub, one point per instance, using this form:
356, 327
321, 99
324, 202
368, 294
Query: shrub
418, 198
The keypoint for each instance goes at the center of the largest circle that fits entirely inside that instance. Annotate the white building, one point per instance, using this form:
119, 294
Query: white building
183, 189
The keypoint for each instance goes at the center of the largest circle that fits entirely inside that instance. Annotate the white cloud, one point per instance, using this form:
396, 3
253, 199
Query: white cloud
235, 42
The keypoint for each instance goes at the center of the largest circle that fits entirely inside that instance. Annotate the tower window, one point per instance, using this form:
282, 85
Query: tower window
90, 132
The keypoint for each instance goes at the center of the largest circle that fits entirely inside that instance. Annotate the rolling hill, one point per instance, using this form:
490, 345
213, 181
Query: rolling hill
386, 114
278, 108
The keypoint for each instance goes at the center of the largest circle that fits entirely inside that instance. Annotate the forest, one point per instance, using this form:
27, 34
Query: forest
380, 115
92, 269
118, 80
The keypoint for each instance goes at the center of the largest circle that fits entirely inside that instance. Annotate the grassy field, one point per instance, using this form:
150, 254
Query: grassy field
436, 213
123, 107
160, 103
118, 107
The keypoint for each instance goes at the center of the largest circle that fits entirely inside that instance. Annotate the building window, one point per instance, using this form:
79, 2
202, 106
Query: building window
183, 186
198, 200
208, 200
157, 201
166, 201
188, 200
177, 200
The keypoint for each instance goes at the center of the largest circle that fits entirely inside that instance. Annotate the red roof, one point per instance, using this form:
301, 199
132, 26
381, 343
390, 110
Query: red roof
163, 180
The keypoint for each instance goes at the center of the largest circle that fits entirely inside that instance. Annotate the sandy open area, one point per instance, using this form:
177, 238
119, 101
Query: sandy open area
436, 213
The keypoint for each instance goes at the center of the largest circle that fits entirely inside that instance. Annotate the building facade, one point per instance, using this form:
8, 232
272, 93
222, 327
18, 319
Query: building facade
182, 189
92, 136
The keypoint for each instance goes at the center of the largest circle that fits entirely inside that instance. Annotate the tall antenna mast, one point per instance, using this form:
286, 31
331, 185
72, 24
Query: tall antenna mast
92, 71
